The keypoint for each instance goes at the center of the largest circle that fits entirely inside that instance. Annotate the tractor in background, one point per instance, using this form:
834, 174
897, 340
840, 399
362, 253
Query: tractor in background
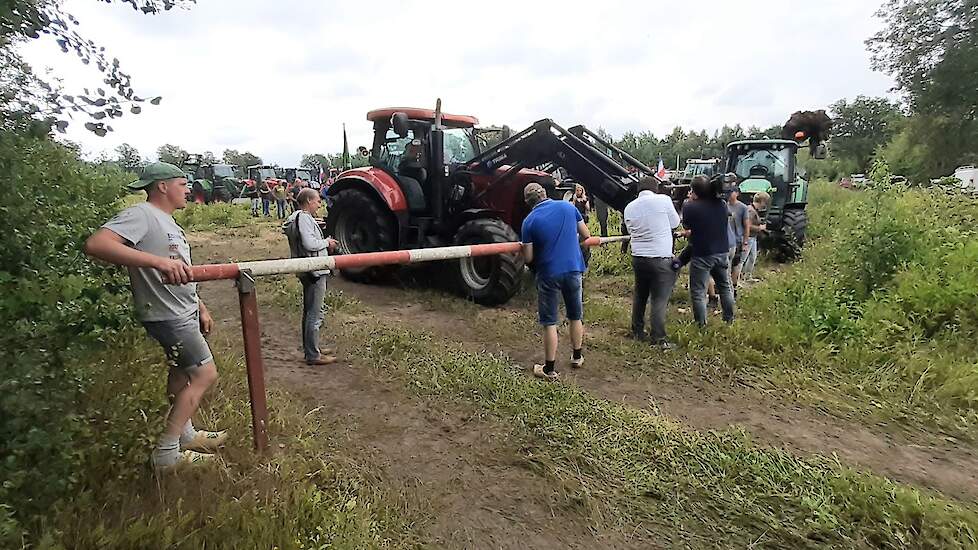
770, 165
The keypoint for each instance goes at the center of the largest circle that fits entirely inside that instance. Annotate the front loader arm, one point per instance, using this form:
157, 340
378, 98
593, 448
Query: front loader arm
546, 143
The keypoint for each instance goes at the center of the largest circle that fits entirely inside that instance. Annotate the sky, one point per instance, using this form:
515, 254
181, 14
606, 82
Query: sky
280, 78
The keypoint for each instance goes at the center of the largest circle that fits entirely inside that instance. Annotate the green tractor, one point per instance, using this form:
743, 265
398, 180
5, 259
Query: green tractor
770, 165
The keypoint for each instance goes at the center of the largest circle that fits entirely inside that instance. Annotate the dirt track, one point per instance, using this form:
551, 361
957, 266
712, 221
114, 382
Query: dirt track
469, 473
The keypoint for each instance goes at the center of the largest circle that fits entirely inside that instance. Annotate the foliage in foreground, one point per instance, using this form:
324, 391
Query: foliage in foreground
705, 489
304, 496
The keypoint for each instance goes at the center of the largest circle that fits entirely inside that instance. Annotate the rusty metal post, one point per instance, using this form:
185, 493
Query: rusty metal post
248, 300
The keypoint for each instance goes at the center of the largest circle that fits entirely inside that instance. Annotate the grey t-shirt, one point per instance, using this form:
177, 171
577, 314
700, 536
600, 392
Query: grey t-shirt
149, 229
737, 214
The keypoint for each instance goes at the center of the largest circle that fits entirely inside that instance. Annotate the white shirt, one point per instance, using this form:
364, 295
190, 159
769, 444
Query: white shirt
650, 220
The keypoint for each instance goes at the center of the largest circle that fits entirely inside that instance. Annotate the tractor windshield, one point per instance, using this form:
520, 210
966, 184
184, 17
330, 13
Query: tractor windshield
303, 175
265, 173
771, 163
223, 171
458, 145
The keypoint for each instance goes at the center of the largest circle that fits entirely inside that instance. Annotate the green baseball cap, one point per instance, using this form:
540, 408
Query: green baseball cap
156, 171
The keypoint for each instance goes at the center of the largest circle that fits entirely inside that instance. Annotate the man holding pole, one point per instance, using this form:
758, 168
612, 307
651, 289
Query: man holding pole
552, 234
147, 240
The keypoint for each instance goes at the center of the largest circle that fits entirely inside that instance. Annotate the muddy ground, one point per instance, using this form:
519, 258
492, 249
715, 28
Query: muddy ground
468, 474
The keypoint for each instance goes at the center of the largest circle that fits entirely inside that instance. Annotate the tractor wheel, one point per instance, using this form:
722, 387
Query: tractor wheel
360, 224
488, 280
786, 243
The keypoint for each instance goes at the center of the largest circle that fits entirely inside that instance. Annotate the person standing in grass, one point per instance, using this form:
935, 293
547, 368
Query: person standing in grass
280, 196
650, 219
758, 205
306, 240
147, 240
266, 198
552, 235
739, 233
706, 219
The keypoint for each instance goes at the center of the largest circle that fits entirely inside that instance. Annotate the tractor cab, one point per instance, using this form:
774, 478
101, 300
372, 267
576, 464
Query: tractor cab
402, 147
765, 165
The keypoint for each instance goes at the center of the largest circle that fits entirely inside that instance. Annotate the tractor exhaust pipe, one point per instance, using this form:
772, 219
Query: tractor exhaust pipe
439, 171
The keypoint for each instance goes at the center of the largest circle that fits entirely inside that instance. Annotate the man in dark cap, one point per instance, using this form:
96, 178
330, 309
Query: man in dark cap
552, 235
148, 241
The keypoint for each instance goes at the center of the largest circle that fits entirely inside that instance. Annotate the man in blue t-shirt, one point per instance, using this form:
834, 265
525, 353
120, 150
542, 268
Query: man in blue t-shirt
552, 235
706, 219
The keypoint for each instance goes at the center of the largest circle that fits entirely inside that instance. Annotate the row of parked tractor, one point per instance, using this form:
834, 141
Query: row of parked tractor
218, 182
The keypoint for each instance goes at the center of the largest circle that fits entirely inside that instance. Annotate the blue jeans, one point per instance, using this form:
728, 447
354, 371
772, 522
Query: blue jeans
280, 207
265, 203
313, 293
549, 291
701, 268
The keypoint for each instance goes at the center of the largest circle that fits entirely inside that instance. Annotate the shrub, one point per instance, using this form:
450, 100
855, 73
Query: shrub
53, 303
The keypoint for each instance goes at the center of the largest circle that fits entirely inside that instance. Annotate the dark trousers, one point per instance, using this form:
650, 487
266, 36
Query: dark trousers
654, 279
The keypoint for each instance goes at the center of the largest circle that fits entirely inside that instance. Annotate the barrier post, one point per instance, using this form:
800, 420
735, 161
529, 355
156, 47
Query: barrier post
248, 300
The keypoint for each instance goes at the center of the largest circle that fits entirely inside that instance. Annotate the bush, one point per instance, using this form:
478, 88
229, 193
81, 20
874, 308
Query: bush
53, 304
214, 215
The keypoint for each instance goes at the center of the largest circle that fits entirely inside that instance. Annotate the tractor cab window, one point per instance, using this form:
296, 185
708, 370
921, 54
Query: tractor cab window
223, 171
766, 163
389, 156
458, 145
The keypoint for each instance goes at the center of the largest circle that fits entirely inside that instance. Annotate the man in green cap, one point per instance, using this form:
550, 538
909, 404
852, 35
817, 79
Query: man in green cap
147, 240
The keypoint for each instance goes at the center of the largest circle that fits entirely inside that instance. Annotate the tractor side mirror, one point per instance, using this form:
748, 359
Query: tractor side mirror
820, 151
399, 122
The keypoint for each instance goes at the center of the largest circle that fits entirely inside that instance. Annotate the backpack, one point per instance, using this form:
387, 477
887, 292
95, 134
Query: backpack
291, 230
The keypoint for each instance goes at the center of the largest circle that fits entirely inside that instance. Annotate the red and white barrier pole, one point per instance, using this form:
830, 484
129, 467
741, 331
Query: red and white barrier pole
245, 272
366, 259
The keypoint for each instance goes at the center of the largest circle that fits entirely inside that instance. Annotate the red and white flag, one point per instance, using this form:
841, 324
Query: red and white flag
661, 171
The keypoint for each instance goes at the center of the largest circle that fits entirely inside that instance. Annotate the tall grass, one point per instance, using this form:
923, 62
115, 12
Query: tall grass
881, 314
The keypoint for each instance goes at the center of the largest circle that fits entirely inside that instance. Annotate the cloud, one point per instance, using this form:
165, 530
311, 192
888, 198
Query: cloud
280, 78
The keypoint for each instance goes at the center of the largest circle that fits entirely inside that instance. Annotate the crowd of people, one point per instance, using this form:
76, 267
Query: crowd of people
283, 194
721, 231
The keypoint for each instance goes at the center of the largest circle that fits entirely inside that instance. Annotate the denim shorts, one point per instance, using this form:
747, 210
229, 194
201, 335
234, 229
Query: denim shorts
549, 290
182, 341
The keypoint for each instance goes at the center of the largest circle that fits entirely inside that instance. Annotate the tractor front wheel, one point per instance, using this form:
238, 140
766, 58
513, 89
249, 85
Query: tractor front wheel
360, 224
488, 280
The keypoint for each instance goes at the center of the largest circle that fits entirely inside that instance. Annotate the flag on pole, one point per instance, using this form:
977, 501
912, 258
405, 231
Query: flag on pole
346, 151
661, 171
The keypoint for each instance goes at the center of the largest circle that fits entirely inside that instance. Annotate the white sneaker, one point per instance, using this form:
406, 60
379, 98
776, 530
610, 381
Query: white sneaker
577, 363
185, 458
206, 441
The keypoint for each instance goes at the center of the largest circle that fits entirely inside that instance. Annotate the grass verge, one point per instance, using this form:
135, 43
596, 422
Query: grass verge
643, 472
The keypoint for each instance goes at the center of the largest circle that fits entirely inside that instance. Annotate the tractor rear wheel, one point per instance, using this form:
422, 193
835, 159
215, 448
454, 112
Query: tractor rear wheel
488, 280
786, 243
360, 224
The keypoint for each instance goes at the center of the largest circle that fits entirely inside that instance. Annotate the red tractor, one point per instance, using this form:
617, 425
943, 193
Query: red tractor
428, 184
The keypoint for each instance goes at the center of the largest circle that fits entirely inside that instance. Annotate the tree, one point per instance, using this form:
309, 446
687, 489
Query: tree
241, 160
173, 154
40, 105
930, 47
862, 126
315, 160
128, 157
208, 158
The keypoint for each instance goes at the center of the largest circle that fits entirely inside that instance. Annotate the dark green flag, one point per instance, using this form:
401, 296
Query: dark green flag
346, 151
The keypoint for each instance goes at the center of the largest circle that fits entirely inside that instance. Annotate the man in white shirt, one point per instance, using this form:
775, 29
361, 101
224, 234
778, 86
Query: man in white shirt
650, 219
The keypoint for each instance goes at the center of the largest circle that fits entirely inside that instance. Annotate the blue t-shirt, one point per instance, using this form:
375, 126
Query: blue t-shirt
552, 229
